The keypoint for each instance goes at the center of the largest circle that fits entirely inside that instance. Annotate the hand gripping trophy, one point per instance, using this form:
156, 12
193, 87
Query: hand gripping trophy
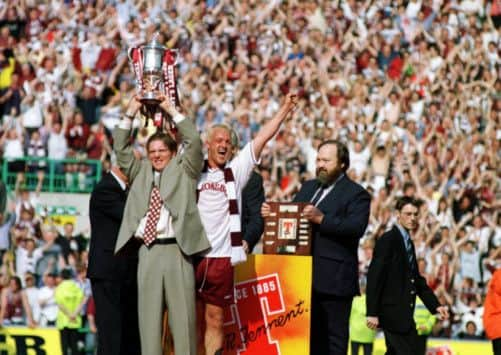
154, 67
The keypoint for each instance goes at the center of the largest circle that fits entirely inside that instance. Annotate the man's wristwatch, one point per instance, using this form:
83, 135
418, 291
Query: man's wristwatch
129, 116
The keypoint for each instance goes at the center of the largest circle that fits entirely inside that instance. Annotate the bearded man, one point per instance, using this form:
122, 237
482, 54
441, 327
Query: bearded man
339, 212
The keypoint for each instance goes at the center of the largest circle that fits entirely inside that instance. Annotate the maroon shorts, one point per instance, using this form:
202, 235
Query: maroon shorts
214, 281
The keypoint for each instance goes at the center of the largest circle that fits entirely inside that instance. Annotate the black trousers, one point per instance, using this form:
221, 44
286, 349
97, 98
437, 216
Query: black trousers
421, 341
496, 346
116, 317
330, 316
401, 343
69, 341
367, 347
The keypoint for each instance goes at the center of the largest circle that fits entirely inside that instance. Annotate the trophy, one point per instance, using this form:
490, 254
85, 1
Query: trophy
154, 67
286, 230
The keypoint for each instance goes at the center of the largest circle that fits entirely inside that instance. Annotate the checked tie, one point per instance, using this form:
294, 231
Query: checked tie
150, 231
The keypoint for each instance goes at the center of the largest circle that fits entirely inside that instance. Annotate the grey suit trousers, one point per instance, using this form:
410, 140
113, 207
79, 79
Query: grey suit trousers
166, 277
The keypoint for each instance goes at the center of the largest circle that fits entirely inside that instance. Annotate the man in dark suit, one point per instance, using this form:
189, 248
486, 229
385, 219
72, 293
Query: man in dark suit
393, 281
339, 212
252, 199
252, 221
113, 278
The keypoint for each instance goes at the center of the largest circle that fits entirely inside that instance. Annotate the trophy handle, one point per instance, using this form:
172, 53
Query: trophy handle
175, 53
129, 53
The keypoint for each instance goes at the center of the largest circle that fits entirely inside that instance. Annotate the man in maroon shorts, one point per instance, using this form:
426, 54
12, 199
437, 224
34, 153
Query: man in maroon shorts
219, 202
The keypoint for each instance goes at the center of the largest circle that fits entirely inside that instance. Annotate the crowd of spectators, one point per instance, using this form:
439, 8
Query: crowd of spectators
413, 87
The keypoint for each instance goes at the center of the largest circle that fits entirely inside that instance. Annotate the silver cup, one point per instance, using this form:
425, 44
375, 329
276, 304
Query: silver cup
150, 75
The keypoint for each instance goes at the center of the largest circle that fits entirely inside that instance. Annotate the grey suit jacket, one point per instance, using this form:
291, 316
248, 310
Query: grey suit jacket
177, 187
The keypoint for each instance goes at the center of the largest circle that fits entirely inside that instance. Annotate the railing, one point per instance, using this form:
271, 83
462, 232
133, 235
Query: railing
67, 175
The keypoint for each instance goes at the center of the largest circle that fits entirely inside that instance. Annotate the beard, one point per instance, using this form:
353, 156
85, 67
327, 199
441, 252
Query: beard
326, 177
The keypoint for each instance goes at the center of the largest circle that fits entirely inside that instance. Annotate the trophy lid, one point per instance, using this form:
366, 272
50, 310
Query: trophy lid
154, 44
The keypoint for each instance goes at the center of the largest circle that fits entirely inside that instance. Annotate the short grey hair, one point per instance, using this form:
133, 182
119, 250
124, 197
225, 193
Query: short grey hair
215, 126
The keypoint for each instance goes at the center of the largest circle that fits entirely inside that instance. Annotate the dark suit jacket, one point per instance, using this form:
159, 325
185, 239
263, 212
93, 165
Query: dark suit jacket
252, 199
335, 241
392, 285
107, 203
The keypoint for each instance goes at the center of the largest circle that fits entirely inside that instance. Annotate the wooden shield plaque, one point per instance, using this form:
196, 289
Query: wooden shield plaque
286, 231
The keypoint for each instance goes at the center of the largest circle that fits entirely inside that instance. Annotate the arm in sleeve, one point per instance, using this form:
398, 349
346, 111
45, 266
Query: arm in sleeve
126, 160
353, 223
106, 202
426, 294
253, 198
376, 276
192, 159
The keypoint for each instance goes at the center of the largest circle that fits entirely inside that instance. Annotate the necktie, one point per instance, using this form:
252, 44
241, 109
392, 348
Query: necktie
409, 249
150, 231
317, 196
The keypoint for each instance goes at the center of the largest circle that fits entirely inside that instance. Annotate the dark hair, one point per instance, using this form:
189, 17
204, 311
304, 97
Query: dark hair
343, 155
66, 274
17, 281
165, 139
406, 200
408, 185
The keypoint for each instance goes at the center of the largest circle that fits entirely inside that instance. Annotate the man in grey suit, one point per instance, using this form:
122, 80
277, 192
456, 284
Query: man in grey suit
168, 235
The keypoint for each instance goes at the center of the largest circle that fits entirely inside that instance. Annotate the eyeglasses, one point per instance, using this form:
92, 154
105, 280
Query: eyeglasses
160, 151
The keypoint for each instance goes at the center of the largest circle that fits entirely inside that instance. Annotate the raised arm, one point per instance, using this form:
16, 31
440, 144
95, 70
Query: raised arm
3, 305
27, 310
126, 160
376, 277
271, 127
192, 159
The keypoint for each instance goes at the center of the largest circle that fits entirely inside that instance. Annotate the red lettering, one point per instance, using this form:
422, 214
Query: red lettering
252, 329
288, 226
213, 186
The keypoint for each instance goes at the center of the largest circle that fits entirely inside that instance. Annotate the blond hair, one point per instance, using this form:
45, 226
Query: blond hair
215, 126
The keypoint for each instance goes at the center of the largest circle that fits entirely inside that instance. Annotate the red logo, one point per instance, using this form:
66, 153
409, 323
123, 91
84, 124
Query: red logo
248, 330
259, 309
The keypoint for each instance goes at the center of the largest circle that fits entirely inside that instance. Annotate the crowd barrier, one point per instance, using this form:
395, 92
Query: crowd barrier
82, 176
